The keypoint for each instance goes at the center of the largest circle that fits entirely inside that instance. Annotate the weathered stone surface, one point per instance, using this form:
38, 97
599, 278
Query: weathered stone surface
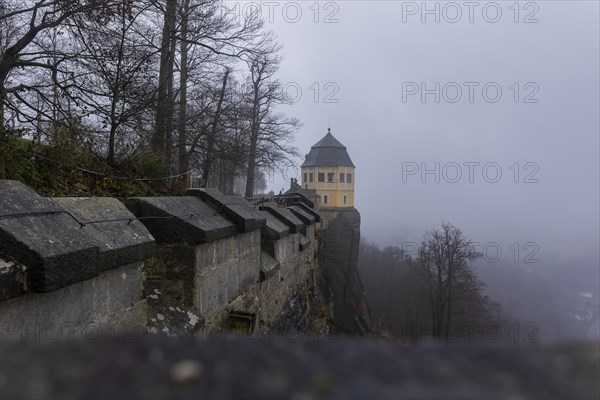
338, 256
268, 266
180, 219
169, 289
306, 196
110, 303
286, 216
13, 280
274, 229
18, 198
38, 234
306, 217
141, 367
235, 208
62, 241
309, 210
121, 239
234, 266
304, 242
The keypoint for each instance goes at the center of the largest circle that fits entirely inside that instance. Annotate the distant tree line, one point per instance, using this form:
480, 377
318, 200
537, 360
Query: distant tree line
432, 292
182, 80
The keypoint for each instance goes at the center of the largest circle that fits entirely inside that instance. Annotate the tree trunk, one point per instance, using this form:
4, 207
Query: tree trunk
163, 115
254, 129
3, 134
170, 107
213, 133
183, 77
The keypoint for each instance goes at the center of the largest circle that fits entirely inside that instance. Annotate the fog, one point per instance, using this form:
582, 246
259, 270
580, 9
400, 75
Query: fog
541, 137
516, 153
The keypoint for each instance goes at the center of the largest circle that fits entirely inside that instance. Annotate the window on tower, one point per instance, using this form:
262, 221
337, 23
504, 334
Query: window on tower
321, 177
305, 175
349, 178
310, 177
342, 176
330, 177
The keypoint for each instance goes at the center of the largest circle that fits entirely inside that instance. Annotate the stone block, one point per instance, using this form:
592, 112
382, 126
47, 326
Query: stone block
205, 255
95, 306
248, 272
49, 242
309, 210
120, 239
306, 217
286, 216
235, 208
211, 291
12, 279
226, 250
304, 242
178, 220
268, 266
274, 229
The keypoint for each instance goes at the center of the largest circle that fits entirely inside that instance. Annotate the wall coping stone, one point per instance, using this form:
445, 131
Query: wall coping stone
120, 242
37, 233
61, 241
236, 208
302, 215
274, 229
309, 210
286, 217
180, 219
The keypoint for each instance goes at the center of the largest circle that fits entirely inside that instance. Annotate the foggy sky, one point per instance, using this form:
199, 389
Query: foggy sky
370, 52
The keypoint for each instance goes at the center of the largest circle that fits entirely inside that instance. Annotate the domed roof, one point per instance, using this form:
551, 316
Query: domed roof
328, 152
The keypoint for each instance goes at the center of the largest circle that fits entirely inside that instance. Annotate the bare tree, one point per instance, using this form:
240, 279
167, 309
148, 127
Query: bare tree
23, 55
268, 130
213, 132
444, 257
112, 76
164, 106
206, 37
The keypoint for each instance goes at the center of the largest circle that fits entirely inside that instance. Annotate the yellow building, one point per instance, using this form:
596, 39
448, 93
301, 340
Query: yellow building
328, 169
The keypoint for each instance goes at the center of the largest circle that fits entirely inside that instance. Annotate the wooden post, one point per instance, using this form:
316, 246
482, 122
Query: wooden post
189, 178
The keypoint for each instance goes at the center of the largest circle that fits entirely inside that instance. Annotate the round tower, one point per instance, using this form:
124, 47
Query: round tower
329, 170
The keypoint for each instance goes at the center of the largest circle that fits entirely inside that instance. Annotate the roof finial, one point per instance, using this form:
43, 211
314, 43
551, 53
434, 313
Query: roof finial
329, 126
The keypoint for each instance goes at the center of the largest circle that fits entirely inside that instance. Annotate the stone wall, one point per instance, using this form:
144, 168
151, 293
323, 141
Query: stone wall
193, 264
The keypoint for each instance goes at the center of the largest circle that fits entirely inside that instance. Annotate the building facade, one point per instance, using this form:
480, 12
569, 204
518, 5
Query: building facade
329, 170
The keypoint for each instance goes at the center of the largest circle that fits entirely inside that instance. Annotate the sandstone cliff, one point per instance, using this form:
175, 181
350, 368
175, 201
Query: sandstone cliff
338, 254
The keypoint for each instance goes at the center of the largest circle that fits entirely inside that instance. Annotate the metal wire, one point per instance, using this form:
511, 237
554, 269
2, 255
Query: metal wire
89, 171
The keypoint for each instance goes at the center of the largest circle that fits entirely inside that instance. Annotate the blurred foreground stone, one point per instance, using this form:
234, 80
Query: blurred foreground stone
158, 367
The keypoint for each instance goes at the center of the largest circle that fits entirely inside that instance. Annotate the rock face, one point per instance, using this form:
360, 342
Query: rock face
157, 367
340, 238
